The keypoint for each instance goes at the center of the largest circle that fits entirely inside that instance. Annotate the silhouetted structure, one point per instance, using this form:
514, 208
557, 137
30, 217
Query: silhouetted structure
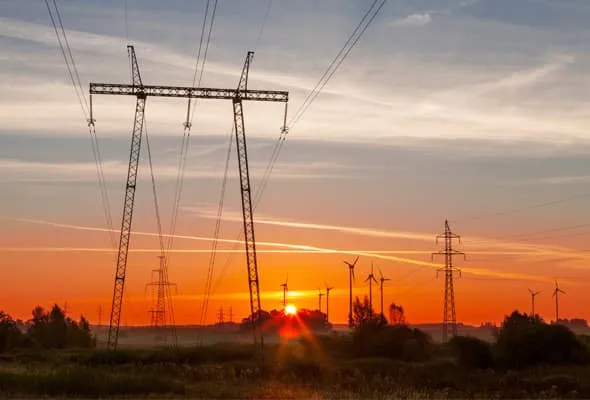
350, 279
382, 280
328, 288
371, 279
533, 295
285, 287
449, 315
556, 295
160, 299
141, 92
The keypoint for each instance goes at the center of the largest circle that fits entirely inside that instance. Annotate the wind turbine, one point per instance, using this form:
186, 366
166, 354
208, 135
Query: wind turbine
556, 295
533, 294
320, 295
328, 301
381, 281
350, 279
285, 287
371, 278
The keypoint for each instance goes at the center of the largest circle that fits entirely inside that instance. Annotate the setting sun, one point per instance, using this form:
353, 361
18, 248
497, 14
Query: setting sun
290, 309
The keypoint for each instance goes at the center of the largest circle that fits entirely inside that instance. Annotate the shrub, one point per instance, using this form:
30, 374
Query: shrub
10, 335
472, 352
398, 342
524, 340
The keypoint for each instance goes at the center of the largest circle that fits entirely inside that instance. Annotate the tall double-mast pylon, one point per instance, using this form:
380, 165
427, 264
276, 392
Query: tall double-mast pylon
142, 92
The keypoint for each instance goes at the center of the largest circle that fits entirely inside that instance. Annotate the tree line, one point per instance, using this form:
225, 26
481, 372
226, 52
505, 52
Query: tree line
47, 330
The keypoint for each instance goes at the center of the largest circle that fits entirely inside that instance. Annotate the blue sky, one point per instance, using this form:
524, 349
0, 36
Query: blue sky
456, 109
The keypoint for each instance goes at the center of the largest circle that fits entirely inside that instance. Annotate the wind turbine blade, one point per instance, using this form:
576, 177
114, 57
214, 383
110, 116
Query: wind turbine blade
380, 273
353, 277
354, 263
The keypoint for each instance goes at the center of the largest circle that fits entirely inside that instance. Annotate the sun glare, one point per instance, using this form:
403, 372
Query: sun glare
290, 309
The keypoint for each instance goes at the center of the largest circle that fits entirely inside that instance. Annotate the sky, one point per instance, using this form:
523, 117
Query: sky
473, 111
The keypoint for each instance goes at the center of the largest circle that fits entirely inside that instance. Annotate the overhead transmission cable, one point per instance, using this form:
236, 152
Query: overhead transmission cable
342, 54
189, 118
217, 230
77, 85
164, 265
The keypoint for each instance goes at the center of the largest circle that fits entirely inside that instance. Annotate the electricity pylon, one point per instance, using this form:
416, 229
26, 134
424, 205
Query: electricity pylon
328, 288
159, 285
556, 292
449, 315
350, 279
533, 295
371, 279
381, 282
142, 92
285, 287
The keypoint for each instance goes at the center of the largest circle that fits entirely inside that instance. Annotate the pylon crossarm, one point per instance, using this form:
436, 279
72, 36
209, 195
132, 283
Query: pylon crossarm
187, 92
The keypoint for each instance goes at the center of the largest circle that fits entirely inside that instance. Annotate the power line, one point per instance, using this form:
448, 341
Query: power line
188, 123
337, 61
359, 30
77, 85
524, 208
209, 281
164, 264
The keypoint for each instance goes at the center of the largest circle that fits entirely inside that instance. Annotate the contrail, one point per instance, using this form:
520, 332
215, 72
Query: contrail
541, 250
403, 260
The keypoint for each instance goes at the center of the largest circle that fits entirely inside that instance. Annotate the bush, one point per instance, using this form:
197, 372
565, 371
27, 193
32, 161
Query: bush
10, 335
524, 340
472, 352
399, 342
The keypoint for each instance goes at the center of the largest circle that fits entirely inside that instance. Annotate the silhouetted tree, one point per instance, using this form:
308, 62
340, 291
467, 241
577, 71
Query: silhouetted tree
525, 340
10, 335
396, 314
56, 330
364, 317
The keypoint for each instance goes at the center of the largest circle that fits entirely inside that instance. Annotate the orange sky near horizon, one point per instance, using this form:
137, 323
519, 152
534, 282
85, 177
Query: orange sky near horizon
83, 275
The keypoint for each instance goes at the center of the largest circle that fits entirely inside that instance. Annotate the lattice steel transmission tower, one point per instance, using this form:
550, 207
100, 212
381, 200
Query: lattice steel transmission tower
160, 299
449, 315
142, 92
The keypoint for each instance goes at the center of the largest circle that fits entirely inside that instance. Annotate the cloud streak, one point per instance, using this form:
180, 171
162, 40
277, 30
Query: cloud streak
396, 259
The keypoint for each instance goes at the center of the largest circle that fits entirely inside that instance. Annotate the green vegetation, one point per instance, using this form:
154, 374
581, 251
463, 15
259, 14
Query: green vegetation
529, 359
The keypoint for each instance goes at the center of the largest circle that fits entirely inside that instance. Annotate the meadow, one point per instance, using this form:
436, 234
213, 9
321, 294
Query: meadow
527, 358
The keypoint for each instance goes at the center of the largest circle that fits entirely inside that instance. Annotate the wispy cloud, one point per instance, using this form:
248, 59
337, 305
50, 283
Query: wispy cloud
413, 21
31, 171
396, 259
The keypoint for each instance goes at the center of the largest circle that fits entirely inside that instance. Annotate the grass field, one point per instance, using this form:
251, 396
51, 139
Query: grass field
295, 370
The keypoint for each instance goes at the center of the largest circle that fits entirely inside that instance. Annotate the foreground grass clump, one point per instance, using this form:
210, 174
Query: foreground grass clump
77, 381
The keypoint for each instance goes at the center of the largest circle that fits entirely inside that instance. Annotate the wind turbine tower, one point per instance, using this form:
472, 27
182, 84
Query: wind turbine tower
371, 279
350, 279
320, 295
556, 292
533, 295
285, 287
328, 288
381, 281
449, 315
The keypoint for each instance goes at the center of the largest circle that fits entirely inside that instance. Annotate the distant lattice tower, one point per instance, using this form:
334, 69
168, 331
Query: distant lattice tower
449, 314
160, 293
